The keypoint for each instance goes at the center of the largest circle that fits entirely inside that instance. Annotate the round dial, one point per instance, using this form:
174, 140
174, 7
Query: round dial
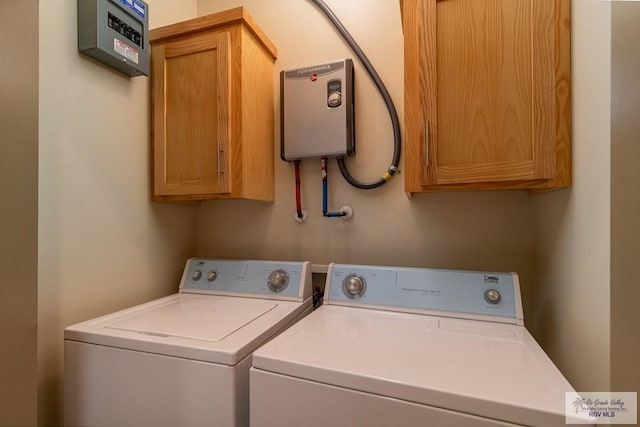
334, 99
212, 275
492, 296
196, 275
278, 280
354, 285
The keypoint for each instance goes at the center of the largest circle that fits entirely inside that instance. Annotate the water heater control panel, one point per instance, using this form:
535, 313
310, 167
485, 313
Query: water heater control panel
334, 93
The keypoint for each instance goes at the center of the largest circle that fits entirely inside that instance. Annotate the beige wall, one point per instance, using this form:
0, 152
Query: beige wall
572, 236
559, 242
481, 230
625, 196
102, 244
19, 213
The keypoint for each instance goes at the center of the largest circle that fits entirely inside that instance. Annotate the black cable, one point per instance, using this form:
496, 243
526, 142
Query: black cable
397, 138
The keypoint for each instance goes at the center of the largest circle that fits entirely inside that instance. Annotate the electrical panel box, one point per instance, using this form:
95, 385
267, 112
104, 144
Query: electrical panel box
116, 33
317, 111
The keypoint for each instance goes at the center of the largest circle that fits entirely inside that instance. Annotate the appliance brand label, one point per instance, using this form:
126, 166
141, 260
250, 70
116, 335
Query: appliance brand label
304, 73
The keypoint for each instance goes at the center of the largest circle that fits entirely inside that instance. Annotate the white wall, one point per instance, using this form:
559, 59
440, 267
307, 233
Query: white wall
480, 230
572, 236
103, 245
19, 213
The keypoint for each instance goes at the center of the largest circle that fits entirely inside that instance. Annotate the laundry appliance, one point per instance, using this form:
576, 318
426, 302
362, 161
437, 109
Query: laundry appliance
409, 347
183, 360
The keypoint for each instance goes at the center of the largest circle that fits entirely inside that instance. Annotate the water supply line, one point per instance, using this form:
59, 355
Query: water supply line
397, 138
301, 214
298, 202
325, 197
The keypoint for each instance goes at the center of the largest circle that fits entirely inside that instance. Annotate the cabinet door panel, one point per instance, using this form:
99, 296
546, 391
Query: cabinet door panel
192, 78
494, 91
484, 82
480, 91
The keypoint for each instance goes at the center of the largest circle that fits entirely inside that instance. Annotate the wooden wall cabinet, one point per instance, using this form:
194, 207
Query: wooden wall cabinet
212, 109
487, 94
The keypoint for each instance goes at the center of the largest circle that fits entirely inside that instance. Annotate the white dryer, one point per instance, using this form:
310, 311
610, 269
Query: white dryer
183, 360
409, 347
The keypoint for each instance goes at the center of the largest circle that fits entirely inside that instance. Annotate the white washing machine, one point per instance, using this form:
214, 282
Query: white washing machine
409, 347
183, 360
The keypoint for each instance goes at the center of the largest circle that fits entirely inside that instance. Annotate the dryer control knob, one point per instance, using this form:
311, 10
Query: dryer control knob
196, 275
278, 280
212, 275
354, 285
492, 296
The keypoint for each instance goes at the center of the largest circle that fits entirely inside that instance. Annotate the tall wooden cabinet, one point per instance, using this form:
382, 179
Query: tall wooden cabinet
212, 109
487, 94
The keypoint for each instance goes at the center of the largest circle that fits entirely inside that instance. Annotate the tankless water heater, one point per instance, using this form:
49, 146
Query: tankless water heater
317, 114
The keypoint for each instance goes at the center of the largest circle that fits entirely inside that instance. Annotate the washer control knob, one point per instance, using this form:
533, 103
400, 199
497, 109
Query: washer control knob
278, 280
354, 285
212, 275
196, 275
492, 296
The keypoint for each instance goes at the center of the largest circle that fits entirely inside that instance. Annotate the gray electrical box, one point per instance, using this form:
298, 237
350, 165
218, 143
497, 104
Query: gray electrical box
317, 111
116, 33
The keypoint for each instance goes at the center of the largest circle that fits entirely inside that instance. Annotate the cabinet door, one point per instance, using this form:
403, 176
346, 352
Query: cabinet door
191, 106
479, 91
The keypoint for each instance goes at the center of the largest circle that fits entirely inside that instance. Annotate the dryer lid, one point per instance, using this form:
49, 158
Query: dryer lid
493, 370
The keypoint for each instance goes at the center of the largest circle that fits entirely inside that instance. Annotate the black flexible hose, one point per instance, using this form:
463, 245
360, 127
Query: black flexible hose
397, 138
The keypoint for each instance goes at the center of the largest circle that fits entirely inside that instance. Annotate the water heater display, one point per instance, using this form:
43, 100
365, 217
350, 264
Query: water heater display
334, 93
317, 113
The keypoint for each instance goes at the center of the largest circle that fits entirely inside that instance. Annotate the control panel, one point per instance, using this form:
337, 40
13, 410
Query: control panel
115, 32
334, 93
267, 279
447, 292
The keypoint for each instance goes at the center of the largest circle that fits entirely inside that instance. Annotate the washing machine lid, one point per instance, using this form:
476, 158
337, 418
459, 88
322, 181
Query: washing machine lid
487, 369
198, 318
210, 328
